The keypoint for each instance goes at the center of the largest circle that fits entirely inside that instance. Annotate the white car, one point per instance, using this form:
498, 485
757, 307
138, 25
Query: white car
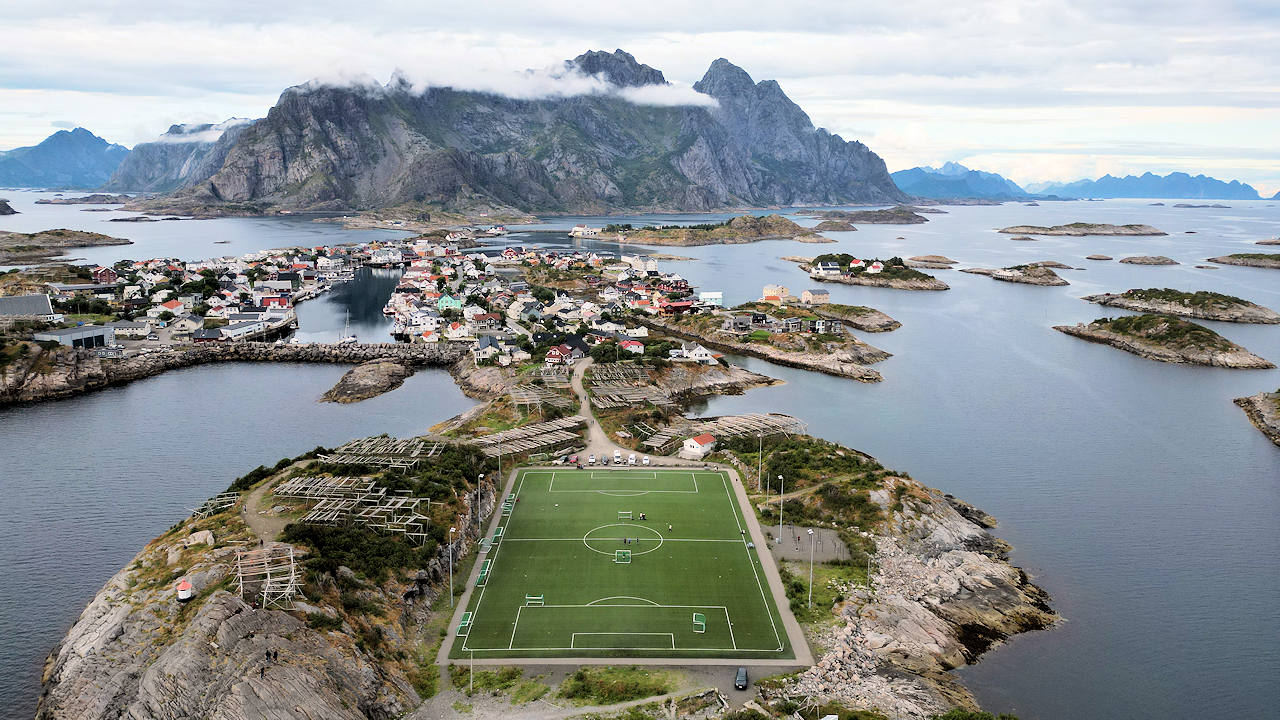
617, 457
631, 459
591, 459
644, 460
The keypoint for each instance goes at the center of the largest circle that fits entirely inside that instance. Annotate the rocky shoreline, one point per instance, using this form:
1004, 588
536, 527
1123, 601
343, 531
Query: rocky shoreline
1258, 260
868, 280
1233, 356
1025, 274
861, 318
1148, 260
942, 594
1263, 410
368, 380
28, 248
840, 364
1237, 312
1082, 229
67, 372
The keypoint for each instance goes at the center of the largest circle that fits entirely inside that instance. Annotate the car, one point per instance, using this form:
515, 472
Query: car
558, 461
153, 336
617, 456
644, 460
591, 459
631, 459
573, 459
740, 680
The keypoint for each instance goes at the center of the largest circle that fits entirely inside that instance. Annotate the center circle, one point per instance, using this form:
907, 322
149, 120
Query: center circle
608, 538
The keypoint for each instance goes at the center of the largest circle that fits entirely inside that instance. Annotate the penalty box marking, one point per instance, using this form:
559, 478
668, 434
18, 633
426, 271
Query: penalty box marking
516, 627
573, 641
608, 475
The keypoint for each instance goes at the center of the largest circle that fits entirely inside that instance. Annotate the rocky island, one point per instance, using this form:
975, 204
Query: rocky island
1032, 274
368, 380
1259, 260
860, 317
1166, 339
743, 229
835, 226
1203, 305
6, 209
1097, 256
930, 262
897, 215
893, 274
94, 199
1263, 410
1148, 260
1082, 229
1272, 241
26, 248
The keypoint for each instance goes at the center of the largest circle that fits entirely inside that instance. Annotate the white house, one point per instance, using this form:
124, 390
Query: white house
875, 267
693, 352
712, 297
696, 448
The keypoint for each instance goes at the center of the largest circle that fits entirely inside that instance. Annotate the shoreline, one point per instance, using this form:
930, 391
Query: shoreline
1263, 411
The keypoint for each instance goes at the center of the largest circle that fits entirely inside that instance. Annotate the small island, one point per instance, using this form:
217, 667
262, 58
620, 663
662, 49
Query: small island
1148, 260
94, 199
367, 380
1203, 305
743, 229
1272, 241
857, 316
1259, 260
1263, 410
1032, 274
835, 226
1081, 229
25, 248
898, 215
931, 262
1166, 339
1097, 257
891, 273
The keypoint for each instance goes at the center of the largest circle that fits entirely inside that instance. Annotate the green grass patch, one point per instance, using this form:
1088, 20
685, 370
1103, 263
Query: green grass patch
605, 685
1166, 330
1198, 299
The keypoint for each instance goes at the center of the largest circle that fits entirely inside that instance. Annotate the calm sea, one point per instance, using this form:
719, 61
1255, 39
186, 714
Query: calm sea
1134, 491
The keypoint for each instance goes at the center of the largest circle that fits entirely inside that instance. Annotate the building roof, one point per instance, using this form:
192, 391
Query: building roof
818, 291
704, 439
74, 332
26, 305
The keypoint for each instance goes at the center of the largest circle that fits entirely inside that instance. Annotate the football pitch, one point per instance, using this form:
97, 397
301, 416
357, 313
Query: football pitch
621, 563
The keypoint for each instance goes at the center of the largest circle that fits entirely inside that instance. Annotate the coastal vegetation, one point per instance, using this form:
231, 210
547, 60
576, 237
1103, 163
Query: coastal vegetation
860, 317
742, 229
1262, 260
1201, 304
16, 247
1168, 339
606, 685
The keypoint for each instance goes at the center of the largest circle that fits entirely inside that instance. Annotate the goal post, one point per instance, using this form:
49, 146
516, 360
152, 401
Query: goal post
699, 623
622, 557
624, 514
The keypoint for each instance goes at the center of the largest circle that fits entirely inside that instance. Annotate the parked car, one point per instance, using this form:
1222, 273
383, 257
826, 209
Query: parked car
591, 459
645, 460
740, 680
558, 461
617, 456
573, 459
631, 459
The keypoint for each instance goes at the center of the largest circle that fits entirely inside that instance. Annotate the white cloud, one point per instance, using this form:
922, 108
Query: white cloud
1044, 90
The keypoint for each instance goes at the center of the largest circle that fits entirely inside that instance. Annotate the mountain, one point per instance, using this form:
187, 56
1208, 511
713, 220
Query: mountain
66, 159
1174, 186
184, 154
371, 146
953, 180
1276, 196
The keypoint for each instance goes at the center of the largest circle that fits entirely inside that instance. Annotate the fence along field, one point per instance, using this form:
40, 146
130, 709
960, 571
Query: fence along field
622, 563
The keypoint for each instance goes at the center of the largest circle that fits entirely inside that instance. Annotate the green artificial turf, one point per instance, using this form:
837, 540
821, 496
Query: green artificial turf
689, 556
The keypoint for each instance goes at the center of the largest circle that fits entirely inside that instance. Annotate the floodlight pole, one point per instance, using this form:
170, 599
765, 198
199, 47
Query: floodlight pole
452, 530
782, 484
477, 508
760, 463
810, 568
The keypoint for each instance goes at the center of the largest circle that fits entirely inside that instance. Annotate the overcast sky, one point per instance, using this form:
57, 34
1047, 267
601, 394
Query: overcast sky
1045, 90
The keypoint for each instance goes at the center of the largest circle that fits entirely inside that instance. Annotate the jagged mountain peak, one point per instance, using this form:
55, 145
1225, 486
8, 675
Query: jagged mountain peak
724, 79
619, 67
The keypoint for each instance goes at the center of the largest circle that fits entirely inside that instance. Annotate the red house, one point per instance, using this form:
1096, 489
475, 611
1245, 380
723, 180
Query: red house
104, 275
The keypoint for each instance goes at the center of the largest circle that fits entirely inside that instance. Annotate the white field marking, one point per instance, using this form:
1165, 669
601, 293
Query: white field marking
586, 539
573, 641
475, 613
578, 539
625, 597
627, 493
735, 648
733, 509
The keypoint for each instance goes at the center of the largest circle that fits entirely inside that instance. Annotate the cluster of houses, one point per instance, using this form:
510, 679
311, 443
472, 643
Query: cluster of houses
833, 269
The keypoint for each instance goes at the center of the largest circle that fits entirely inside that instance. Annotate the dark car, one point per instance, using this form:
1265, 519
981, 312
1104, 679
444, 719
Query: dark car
740, 680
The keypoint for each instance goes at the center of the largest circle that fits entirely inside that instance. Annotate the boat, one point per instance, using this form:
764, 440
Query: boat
347, 338
184, 590
496, 231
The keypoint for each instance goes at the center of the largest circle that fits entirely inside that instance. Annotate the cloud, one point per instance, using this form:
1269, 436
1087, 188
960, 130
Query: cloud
554, 81
64, 124
199, 132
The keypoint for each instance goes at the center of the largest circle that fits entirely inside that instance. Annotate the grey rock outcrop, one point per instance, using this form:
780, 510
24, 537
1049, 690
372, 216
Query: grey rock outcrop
327, 147
184, 154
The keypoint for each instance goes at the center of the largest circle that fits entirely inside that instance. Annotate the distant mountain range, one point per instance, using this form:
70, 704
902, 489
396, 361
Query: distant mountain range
955, 181
66, 159
735, 142
183, 154
1174, 186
